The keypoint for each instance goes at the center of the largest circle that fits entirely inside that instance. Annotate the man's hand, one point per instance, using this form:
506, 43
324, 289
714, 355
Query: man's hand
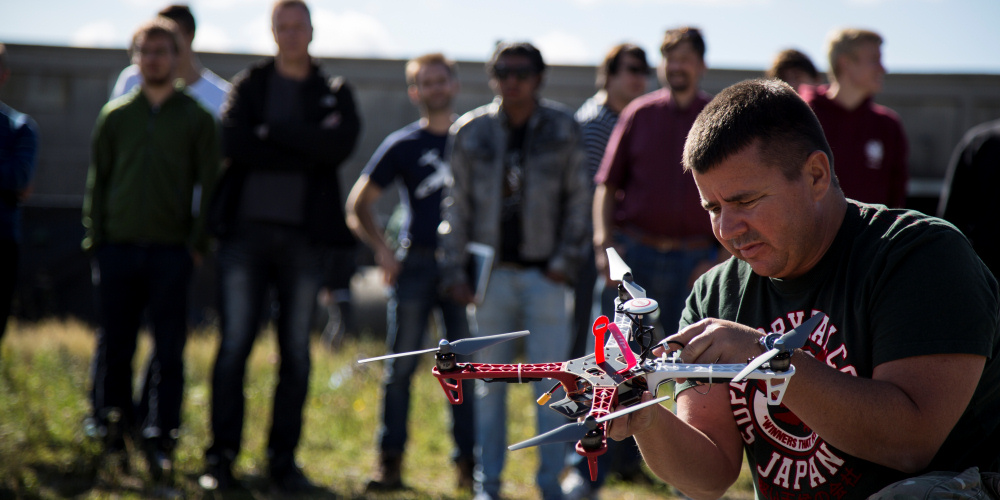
715, 341
386, 260
461, 293
635, 423
555, 276
331, 120
601, 261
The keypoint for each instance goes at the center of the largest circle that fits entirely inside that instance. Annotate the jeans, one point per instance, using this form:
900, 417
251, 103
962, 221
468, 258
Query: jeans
9, 257
583, 304
130, 279
520, 299
252, 260
411, 303
664, 276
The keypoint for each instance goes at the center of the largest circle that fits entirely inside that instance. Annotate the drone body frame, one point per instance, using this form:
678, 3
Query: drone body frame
607, 378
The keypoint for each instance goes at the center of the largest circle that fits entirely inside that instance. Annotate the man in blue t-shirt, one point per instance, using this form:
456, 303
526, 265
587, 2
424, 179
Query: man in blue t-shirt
18, 157
415, 155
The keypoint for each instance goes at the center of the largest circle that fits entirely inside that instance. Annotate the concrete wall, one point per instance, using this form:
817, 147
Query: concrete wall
63, 88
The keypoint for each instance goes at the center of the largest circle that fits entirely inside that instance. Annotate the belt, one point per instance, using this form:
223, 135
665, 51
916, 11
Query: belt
667, 244
524, 265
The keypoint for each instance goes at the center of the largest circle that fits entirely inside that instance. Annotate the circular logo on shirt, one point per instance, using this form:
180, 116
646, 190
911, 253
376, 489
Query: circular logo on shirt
780, 425
874, 153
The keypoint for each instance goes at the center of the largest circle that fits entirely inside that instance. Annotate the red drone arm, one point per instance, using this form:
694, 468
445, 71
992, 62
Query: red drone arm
451, 381
604, 400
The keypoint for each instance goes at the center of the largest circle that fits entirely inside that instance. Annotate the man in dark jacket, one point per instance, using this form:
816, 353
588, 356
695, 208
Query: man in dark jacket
285, 130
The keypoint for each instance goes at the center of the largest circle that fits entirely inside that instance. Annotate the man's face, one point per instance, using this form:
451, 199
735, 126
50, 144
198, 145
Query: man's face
795, 77
682, 68
863, 68
435, 88
157, 60
630, 80
515, 80
760, 216
292, 31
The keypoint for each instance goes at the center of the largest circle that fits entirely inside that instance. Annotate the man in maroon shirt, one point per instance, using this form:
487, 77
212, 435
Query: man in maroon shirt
644, 204
868, 141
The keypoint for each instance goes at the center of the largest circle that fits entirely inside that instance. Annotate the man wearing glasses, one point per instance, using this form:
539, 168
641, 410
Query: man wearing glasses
149, 150
521, 187
643, 204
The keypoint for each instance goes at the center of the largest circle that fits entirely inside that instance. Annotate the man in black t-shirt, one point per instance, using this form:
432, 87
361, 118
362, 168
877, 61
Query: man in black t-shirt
899, 378
415, 156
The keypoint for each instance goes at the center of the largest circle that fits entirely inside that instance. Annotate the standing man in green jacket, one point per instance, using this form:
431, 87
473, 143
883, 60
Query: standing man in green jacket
150, 149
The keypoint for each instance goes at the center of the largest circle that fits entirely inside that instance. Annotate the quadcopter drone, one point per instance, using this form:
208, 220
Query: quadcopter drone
610, 376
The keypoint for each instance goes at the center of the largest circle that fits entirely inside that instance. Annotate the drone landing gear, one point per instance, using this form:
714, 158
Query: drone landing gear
592, 445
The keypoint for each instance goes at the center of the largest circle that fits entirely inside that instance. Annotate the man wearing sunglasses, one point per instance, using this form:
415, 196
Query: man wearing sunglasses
643, 205
520, 186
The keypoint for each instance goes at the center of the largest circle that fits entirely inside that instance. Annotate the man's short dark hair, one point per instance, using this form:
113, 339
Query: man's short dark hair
180, 14
674, 37
281, 4
613, 61
159, 26
768, 111
791, 59
525, 49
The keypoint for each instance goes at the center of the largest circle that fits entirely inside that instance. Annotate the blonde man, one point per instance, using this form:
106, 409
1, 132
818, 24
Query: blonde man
868, 141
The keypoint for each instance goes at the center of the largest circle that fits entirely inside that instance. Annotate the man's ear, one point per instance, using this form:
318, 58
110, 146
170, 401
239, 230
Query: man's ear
819, 173
414, 94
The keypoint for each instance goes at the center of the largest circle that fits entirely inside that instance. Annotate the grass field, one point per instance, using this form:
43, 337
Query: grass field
44, 452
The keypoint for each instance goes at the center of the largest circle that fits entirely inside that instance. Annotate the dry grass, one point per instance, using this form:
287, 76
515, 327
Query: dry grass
45, 454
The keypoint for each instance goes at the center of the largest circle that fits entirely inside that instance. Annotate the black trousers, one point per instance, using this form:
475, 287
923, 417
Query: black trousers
132, 280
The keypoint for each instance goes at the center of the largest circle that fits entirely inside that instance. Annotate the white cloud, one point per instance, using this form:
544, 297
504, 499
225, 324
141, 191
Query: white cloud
227, 6
152, 5
618, 4
98, 34
211, 38
349, 34
256, 35
563, 48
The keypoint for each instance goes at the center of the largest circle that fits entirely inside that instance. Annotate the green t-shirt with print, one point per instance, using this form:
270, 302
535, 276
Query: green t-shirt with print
894, 284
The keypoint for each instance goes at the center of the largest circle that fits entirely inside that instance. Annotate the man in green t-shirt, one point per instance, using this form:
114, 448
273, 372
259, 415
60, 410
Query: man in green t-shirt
900, 377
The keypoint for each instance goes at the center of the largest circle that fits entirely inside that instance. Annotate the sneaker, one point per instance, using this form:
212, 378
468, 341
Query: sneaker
218, 475
466, 466
389, 476
574, 486
161, 466
291, 480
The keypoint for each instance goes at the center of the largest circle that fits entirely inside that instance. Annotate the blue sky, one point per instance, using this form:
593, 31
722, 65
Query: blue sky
924, 36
